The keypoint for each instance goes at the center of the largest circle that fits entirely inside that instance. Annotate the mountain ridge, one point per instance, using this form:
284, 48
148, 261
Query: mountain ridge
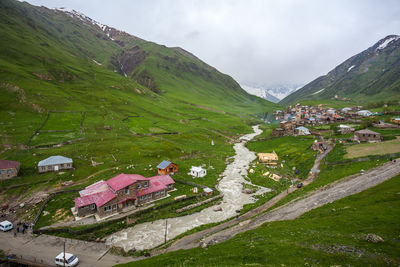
369, 75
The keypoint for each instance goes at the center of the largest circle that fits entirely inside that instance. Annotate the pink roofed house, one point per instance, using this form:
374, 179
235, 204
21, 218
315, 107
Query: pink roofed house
105, 198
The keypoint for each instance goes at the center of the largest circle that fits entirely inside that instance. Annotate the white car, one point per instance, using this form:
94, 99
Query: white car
6, 226
70, 260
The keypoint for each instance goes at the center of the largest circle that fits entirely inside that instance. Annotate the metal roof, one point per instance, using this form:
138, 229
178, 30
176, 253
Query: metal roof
164, 164
54, 160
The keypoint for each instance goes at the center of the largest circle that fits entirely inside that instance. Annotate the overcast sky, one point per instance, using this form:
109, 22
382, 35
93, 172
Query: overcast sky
261, 42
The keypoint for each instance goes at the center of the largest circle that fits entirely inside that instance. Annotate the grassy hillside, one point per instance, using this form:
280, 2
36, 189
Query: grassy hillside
52, 61
368, 76
332, 235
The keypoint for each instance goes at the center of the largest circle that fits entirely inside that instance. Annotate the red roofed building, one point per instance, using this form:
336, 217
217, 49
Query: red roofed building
8, 169
107, 197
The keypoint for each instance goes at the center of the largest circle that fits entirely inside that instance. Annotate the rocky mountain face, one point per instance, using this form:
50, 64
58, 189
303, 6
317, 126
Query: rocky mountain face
373, 74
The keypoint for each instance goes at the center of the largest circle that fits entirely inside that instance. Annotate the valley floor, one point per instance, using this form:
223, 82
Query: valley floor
95, 254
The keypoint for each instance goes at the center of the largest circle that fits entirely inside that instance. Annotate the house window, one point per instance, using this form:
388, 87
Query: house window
107, 208
3, 172
62, 165
141, 197
162, 192
149, 196
9, 171
49, 167
139, 185
157, 193
92, 206
169, 186
127, 191
68, 165
146, 184
115, 207
175, 168
43, 168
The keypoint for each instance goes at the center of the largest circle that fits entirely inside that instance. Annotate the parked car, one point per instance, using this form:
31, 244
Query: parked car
299, 185
6, 226
70, 260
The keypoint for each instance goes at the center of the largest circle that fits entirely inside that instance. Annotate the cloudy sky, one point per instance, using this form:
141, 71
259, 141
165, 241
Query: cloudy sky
255, 41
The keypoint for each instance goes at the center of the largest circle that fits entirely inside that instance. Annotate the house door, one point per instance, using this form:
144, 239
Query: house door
56, 168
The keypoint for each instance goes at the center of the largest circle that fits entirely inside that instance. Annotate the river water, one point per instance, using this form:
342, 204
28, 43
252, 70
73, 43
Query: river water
151, 234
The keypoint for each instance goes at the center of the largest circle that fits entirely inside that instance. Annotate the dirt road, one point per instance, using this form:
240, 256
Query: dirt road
43, 249
314, 200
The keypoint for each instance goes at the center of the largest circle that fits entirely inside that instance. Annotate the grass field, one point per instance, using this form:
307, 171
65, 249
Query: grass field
293, 152
332, 235
362, 150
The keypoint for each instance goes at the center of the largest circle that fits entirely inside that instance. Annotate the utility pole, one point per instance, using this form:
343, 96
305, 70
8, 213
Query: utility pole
166, 230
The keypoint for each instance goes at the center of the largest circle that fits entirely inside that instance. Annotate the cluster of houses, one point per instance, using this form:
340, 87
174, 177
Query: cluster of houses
106, 198
295, 118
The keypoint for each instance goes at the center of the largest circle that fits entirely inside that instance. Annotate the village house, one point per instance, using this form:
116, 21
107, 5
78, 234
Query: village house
318, 146
55, 163
8, 169
344, 129
198, 172
167, 168
364, 113
367, 136
302, 131
346, 110
105, 198
268, 158
395, 120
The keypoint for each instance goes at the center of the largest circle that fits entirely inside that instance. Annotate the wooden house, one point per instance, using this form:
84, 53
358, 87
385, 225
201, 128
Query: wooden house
269, 158
8, 169
167, 168
367, 136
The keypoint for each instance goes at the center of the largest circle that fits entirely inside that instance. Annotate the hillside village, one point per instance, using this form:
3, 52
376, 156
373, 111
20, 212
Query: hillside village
117, 150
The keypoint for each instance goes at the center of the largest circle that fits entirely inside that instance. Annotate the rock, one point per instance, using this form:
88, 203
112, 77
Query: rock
203, 245
251, 171
132, 250
247, 191
45, 213
218, 208
373, 238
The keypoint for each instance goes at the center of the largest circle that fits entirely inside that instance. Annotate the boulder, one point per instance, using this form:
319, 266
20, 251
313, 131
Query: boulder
373, 238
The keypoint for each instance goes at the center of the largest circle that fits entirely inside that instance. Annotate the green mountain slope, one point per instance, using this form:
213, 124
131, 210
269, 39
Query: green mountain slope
373, 74
117, 85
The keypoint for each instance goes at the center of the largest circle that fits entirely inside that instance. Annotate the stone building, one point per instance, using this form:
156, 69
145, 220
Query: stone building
105, 198
8, 169
54, 164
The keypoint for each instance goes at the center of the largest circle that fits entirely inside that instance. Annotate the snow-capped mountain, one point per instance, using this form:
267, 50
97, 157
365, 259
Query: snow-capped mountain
272, 92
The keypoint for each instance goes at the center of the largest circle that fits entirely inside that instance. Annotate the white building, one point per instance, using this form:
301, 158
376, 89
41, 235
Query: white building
302, 131
365, 113
197, 172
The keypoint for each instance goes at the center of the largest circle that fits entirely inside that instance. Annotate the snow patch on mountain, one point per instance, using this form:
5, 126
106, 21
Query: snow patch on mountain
386, 42
260, 92
349, 69
73, 13
317, 92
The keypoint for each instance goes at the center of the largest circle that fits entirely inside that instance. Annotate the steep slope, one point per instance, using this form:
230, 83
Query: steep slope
129, 101
373, 74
